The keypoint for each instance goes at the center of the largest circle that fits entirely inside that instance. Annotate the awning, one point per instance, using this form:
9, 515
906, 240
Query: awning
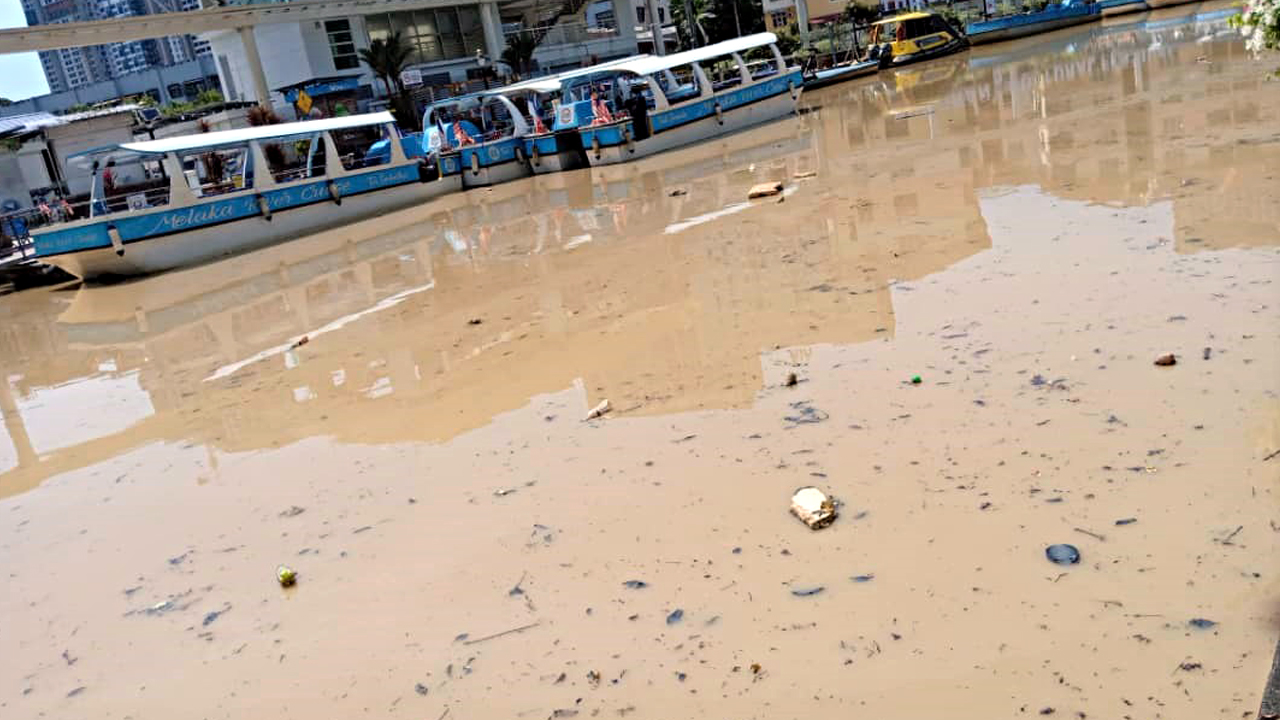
320, 86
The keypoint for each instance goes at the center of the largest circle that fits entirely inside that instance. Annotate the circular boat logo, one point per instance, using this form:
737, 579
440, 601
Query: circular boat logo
450, 166
494, 152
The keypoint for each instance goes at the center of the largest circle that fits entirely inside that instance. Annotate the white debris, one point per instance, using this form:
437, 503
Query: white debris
598, 410
814, 507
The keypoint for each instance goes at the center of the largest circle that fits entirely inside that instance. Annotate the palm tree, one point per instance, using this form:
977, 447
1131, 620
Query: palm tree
387, 59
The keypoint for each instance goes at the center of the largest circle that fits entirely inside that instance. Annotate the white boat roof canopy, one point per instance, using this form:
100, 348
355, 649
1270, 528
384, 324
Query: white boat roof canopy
262, 132
650, 64
551, 83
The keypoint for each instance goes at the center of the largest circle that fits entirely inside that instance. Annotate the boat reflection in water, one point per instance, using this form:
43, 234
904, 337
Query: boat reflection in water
651, 283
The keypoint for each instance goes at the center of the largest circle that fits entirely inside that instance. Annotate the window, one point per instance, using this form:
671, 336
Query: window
662, 15
434, 35
640, 16
341, 44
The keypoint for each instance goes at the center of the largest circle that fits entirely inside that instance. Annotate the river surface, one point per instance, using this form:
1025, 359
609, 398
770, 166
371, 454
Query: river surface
396, 410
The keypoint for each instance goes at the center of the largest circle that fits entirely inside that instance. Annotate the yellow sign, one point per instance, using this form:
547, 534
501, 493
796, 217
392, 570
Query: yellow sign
303, 102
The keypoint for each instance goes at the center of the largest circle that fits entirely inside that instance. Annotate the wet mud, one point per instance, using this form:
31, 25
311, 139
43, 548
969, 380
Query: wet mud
948, 321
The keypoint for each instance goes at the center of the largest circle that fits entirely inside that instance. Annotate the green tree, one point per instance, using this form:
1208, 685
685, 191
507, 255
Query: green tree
5, 102
519, 51
209, 97
387, 59
859, 13
692, 34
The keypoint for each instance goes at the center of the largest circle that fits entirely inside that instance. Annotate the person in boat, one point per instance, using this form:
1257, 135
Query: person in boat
600, 110
109, 179
637, 106
461, 134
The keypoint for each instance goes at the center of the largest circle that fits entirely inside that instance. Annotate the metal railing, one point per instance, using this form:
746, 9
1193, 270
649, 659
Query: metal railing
565, 33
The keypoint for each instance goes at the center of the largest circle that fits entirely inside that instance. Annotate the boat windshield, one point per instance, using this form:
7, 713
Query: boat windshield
908, 28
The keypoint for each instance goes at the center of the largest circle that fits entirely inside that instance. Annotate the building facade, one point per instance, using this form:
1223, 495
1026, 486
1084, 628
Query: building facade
69, 69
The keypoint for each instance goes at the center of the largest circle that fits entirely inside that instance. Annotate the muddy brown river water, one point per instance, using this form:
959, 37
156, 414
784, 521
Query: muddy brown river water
1025, 226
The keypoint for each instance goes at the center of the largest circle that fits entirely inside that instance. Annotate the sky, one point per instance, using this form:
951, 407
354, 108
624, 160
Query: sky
20, 75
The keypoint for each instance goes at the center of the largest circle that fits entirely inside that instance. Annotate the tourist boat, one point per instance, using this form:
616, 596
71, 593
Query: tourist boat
1053, 17
477, 137
1110, 8
912, 37
558, 105
236, 190
672, 101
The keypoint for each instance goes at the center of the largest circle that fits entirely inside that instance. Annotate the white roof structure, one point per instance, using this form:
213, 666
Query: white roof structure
649, 64
551, 83
241, 136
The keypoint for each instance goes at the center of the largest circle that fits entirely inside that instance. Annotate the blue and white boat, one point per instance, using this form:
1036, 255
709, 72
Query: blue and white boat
1053, 17
477, 137
236, 190
658, 103
498, 135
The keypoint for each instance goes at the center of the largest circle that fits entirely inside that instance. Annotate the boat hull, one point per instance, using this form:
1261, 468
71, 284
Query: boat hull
693, 122
493, 162
1019, 26
1125, 8
1157, 4
954, 46
212, 241
823, 78
546, 155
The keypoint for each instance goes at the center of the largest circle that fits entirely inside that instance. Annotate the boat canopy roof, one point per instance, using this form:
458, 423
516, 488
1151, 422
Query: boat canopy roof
650, 64
903, 16
241, 136
551, 83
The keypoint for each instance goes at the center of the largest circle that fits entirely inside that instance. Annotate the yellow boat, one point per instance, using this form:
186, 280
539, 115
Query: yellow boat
912, 37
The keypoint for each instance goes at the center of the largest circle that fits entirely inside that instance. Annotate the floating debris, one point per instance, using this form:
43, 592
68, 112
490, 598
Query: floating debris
677, 192
1062, 554
503, 492
676, 616
1201, 623
807, 591
300, 342
598, 410
293, 511
764, 190
286, 575
1166, 360
209, 617
813, 507
791, 380
635, 584
864, 578
1126, 521
475, 321
1208, 353
916, 379
420, 689
805, 174
808, 415
1039, 380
